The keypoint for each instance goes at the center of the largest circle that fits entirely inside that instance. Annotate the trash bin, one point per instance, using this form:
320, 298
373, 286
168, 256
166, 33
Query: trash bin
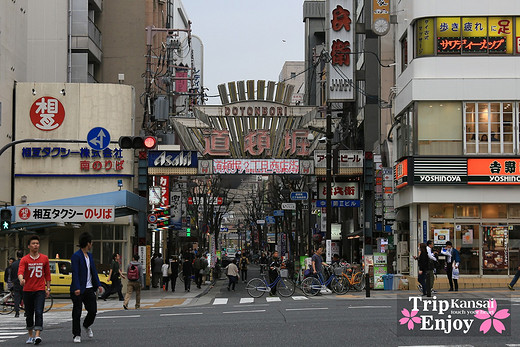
388, 281
397, 280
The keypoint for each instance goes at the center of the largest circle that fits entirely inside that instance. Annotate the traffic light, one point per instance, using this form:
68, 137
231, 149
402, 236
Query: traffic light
5, 216
137, 142
188, 232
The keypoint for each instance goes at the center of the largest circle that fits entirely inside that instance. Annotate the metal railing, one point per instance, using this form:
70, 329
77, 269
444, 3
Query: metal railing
94, 34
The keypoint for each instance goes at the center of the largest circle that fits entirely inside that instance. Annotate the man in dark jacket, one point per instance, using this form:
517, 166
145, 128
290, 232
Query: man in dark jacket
187, 271
83, 287
17, 288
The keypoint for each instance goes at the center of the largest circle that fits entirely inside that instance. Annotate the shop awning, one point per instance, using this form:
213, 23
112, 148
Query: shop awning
125, 202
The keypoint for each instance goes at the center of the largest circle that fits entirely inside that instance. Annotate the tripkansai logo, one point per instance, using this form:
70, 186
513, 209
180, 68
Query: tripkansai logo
454, 316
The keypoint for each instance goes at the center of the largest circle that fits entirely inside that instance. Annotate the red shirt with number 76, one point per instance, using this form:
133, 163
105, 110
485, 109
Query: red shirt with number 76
36, 272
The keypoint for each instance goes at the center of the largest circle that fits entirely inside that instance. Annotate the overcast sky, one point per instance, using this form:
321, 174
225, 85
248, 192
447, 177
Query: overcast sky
246, 39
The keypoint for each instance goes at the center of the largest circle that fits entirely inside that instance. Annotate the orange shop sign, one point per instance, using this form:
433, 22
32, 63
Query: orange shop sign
494, 171
401, 174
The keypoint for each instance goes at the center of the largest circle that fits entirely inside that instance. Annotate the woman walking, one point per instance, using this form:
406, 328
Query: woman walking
423, 266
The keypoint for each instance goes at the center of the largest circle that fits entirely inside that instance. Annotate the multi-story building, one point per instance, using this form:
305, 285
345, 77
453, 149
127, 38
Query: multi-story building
457, 115
293, 73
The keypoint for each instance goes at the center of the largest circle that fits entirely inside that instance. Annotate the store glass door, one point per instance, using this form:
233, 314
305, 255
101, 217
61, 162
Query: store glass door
467, 242
495, 250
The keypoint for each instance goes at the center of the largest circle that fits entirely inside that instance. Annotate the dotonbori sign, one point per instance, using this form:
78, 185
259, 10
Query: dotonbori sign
172, 159
340, 41
65, 214
256, 166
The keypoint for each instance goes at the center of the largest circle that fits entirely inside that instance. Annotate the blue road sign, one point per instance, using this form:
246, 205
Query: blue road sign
224, 230
278, 213
339, 203
270, 220
98, 138
299, 196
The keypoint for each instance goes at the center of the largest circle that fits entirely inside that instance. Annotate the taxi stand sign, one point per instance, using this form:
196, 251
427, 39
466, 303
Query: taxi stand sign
65, 214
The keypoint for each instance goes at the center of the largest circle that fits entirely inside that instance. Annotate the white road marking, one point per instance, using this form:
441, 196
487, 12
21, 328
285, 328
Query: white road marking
300, 297
369, 307
512, 344
273, 299
307, 309
439, 346
246, 300
115, 317
251, 311
220, 301
180, 314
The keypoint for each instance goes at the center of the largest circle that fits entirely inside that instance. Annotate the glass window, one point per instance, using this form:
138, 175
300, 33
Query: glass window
467, 242
495, 250
493, 211
514, 211
439, 128
489, 128
441, 210
468, 211
514, 248
404, 53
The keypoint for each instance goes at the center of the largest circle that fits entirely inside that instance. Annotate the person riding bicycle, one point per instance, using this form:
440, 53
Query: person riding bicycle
274, 265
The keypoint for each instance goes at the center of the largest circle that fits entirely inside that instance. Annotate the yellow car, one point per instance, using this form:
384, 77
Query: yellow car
61, 277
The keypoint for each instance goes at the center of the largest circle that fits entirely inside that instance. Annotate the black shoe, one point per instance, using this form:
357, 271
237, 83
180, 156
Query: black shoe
17, 314
451, 289
104, 299
121, 299
125, 307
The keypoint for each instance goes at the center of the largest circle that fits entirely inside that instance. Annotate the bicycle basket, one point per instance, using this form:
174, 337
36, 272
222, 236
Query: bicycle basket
284, 273
338, 270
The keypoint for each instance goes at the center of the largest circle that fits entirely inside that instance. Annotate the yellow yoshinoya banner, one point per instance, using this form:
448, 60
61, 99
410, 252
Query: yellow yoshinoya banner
425, 37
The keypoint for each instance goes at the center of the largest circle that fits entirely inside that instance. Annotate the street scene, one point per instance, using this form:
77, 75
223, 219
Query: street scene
295, 172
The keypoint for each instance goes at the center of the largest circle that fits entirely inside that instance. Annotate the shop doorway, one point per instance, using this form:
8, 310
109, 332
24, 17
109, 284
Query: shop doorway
495, 250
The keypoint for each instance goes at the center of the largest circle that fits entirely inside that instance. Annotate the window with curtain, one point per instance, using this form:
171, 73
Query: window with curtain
489, 128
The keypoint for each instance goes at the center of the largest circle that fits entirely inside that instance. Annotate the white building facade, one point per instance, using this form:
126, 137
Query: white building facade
457, 115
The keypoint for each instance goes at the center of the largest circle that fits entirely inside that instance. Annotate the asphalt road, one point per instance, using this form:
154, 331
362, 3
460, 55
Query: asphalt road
226, 318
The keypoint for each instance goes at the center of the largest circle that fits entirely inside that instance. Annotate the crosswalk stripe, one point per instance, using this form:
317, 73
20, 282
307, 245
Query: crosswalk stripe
220, 301
273, 299
247, 300
300, 297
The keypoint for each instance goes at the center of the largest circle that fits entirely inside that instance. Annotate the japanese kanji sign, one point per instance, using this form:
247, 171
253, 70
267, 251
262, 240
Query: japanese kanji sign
494, 171
47, 113
256, 166
340, 41
345, 158
339, 191
65, 214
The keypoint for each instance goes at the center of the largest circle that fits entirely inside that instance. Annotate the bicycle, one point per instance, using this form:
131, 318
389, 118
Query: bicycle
257, 287
7, 304
314, 284
356, 280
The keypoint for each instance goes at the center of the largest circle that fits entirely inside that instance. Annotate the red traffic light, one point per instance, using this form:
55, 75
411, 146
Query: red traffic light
150, 142
137, 142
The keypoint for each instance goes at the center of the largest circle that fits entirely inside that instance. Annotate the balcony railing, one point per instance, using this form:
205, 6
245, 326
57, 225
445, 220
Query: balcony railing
94, 34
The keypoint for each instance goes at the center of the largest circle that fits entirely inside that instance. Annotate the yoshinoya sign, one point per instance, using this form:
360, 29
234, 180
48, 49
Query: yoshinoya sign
340, 42
65, 214
172, 159
450, 171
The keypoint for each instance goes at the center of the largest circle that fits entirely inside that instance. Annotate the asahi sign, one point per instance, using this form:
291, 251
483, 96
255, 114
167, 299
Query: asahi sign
340, 42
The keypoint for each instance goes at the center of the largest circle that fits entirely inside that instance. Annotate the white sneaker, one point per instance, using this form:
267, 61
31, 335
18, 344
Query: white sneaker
90, 334
77, 339
30, 341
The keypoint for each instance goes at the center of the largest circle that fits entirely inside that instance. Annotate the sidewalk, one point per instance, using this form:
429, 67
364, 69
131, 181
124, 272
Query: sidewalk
150, 298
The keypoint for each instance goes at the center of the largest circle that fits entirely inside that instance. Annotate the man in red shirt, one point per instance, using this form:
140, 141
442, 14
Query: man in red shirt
35, 277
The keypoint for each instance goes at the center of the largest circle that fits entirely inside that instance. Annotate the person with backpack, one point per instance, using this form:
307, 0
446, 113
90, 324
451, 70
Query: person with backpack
134, 272
243, 267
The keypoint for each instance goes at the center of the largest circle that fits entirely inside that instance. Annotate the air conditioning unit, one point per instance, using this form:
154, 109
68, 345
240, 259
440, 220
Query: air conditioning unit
402, 247
404, 264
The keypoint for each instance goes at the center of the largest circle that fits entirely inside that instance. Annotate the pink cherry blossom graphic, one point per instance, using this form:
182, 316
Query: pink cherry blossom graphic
409, 317
491, 317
